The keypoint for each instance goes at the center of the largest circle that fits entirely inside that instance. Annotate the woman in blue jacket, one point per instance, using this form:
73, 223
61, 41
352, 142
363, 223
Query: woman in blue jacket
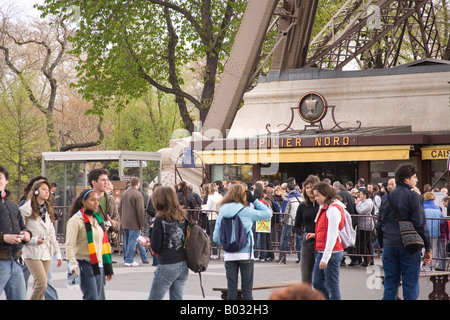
434, 220
235, 202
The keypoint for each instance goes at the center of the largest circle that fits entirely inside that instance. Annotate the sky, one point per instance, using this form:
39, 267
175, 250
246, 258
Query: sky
23, 8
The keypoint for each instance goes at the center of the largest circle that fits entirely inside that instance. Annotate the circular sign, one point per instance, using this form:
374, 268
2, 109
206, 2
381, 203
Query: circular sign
312, 107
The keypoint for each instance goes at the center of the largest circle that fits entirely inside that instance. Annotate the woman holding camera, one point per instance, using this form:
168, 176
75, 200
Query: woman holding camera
236, 202
38, 215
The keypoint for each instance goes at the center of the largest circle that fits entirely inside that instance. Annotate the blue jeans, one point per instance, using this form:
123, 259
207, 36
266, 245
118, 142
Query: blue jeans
169, 277
12, 280
327, 280
286, 231
92, 286
129, 246
284, 239
232, 271
261, 245
398, 264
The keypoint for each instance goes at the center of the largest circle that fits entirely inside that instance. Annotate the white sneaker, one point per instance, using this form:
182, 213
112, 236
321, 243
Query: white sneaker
133, 264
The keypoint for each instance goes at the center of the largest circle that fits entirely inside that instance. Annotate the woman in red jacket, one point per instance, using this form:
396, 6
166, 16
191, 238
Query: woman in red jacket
329, 220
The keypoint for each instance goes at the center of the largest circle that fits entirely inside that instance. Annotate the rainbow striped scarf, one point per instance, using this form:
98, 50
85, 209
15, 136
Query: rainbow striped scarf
106, 249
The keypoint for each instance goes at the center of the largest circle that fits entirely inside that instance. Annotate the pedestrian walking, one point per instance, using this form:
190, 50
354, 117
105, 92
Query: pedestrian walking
87, 247
13, 235
330, 250
132, 217
38, 214
398, 264
99, 182
168, 238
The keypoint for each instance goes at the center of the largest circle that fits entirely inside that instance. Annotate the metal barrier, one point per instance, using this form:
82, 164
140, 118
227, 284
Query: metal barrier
439, 238
366, 242
61, 217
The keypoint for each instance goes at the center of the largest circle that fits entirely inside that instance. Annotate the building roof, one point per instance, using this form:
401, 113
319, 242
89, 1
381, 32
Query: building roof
89, 156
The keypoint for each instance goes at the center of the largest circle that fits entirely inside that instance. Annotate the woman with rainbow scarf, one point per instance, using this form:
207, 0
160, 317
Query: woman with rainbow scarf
87, 247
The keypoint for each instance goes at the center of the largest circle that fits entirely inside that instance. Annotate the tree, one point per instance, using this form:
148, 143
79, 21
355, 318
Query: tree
21, 142
128, 47
145, 124
40, 48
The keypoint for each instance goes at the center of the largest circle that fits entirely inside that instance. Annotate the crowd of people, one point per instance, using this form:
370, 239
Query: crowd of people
302, 218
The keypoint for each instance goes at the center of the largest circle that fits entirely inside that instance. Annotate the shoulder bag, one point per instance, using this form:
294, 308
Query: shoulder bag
412, 241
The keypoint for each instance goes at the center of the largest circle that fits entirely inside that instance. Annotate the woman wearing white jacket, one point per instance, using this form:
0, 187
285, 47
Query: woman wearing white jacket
38, 216
366, 224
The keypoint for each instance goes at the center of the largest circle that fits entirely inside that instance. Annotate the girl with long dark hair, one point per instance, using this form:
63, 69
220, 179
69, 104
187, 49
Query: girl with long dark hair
168, 237
38, 215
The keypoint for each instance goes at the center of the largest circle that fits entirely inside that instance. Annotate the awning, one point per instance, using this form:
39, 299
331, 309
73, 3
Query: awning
435, 152
283, 155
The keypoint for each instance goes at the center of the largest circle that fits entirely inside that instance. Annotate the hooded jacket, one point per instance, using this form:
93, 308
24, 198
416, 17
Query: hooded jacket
433, 211
248, 216
365, 208
39, 227
290, 206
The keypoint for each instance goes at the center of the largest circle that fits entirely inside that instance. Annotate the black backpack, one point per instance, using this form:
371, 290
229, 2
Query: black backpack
198, 250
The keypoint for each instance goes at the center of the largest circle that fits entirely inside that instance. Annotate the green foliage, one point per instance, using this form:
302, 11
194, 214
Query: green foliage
22, 135
145, 124
125, 45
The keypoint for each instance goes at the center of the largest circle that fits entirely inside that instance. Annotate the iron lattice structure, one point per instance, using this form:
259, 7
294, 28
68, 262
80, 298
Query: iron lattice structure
374, 32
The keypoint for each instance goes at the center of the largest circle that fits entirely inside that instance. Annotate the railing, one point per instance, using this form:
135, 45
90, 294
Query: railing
61, 217
439, 242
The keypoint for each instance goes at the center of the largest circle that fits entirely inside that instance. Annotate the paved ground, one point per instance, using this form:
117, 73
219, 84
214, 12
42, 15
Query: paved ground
133, 283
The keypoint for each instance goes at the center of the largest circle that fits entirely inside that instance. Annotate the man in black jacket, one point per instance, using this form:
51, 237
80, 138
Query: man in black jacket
397, 263
13, 234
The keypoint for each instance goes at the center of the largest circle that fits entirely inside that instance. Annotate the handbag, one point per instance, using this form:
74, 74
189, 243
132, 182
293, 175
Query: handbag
412, 241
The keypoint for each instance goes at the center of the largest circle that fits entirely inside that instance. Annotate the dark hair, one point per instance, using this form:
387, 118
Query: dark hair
77, 203
167, 205
4, 171
404, 171
95, 174
312, 179
27, 188
34, 204
183, 187
366, 193
291, 186
325, 189
258, 193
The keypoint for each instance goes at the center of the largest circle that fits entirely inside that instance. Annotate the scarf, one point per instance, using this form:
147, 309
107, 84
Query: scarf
42, 211
106, 249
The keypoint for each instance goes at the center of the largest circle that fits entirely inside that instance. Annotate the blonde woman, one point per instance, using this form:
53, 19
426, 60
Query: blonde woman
38, 215
236, 202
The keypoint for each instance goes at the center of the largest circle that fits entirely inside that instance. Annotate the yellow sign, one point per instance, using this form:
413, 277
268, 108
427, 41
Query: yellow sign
436, 152
263, 226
